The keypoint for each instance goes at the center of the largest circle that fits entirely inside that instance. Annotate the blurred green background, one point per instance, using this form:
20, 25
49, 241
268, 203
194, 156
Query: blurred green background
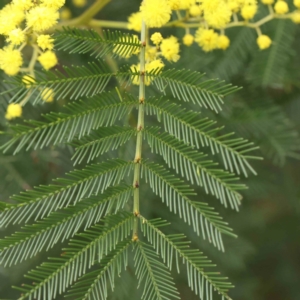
264, 262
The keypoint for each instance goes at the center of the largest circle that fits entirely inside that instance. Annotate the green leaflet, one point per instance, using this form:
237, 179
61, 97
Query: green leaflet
175, 247
80, 184
62, 225
79, 119
76, 40
82, 253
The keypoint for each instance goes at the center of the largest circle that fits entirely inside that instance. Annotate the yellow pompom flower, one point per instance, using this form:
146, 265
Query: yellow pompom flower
217, 14
16, 37
14, 110
207, 39
235, 5
281, 7
79, 3
156, 13
170, 49
185, 4
175, 4
56, 4
10, 17
65, 14
263, 42
151, 53
156, 38
195, 10
45, 41
48, 60
10, 61
188, 39
296, 16
22, 4
41, 18
297, 3
267, 2
223, 42
47, 95
28, 81
135, 21
249, 11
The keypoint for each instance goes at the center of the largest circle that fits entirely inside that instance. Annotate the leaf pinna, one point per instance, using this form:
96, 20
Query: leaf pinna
98, 207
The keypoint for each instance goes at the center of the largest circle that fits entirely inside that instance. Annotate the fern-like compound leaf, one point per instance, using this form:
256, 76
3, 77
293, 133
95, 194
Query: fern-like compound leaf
74, 82
157, 281
101, 141
195, 167
189, 86
78, 120
95, 284
79, 184
83, 252
186, 125
76, 40
176, 194
175, 247
62, 225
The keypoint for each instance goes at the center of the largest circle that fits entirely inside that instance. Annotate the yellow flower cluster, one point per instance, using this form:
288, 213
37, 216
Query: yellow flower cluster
22, 22
212, 17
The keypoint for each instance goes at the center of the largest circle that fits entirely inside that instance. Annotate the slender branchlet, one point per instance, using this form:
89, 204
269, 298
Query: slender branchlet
139, 139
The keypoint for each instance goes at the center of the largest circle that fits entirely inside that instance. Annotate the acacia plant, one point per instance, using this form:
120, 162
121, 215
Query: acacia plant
98, 207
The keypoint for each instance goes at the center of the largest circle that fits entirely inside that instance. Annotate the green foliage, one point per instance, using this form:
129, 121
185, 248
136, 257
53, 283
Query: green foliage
91, 206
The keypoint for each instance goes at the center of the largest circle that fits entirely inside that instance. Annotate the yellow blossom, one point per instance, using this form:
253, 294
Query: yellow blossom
156, 38
249, 11
296, 16
151, 53
56, 4
235, 5
267, 2
175, 4
10, 17
22, 4
16, 37
45, 41
48, 59
185, 4
79, 3
223, 42
65, 13
156, 13
188, 39
170, 49
263, 42
41, 18
297, 3
28, 81
207, 39
281, 7
14, 110
47, 95
10, 61
195, 10
135, 21
217, 13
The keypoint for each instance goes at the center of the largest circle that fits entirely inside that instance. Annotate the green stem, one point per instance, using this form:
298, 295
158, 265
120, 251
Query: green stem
139, 139
84, 18
108, 24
